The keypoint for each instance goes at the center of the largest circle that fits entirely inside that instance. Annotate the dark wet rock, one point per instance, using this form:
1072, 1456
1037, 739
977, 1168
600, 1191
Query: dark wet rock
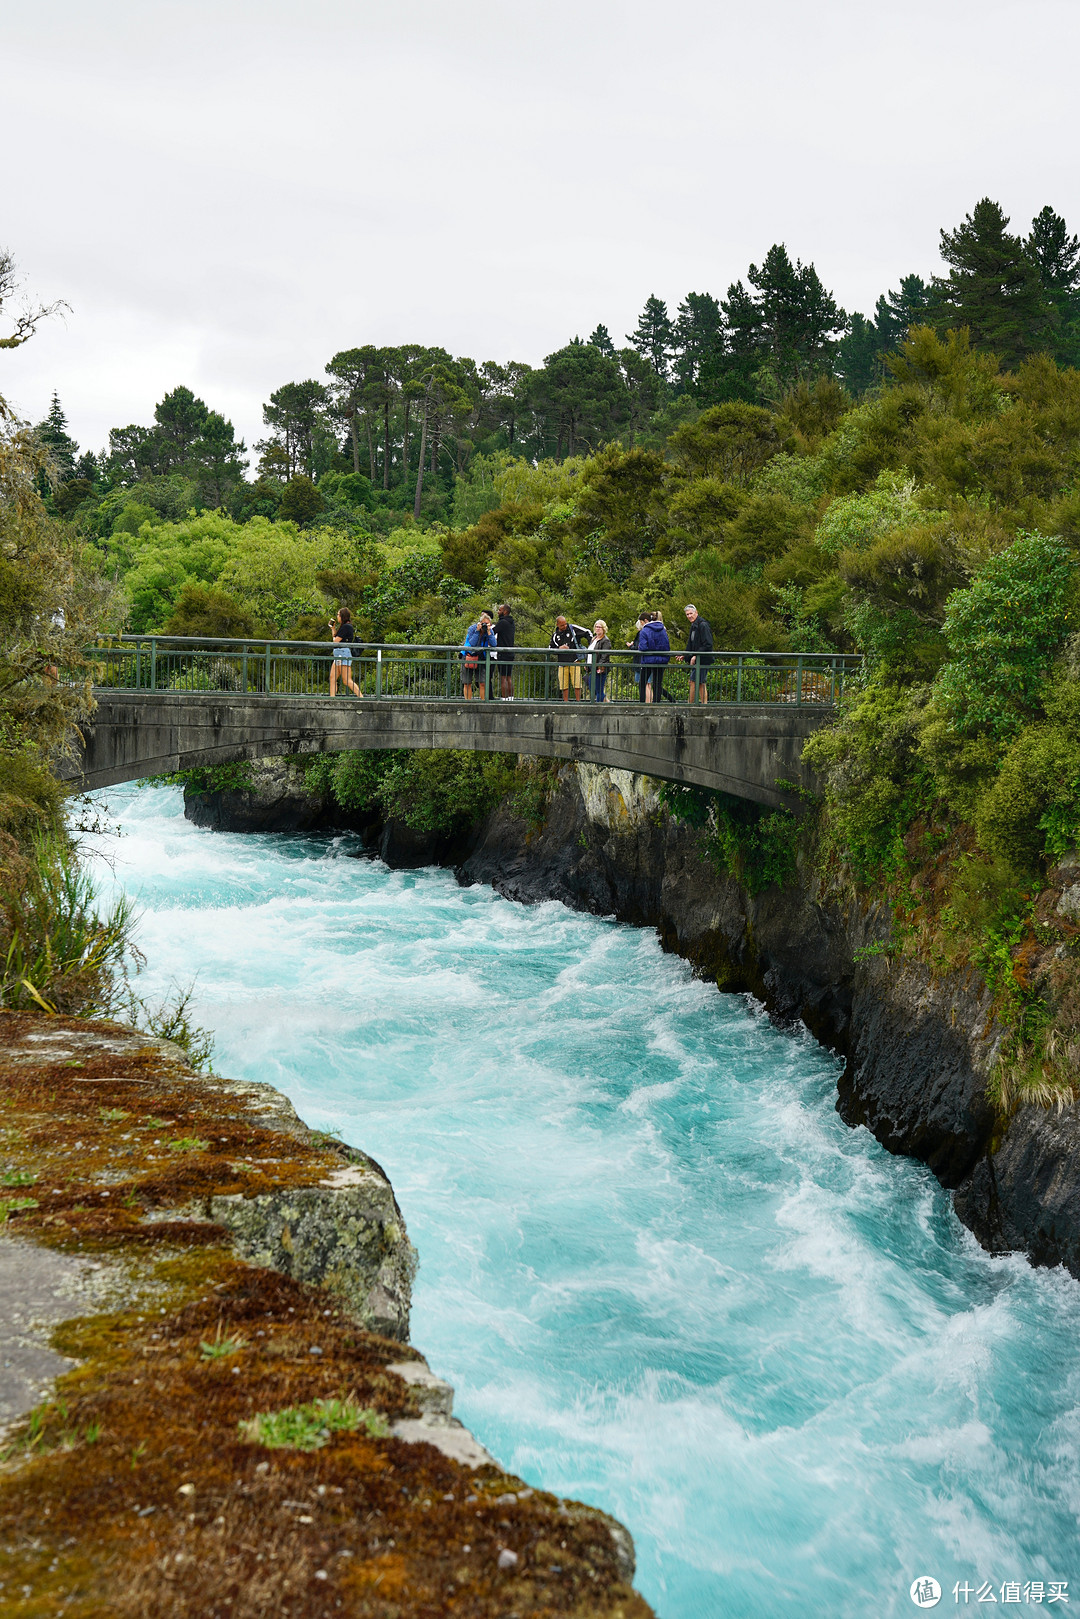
1026, 1195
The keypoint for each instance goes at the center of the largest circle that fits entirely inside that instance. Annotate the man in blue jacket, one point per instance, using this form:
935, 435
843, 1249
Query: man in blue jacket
655, 649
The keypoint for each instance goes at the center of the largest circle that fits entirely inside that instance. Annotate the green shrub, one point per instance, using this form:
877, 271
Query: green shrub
353, 778
231, 778
445, 791
1032, 807
1003, 632
855, 522
986, 898
875, 782
205, 610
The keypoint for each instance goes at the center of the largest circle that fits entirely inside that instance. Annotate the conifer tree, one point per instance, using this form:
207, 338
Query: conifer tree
601, 338
698, 342
993, 287
53, 434
896, 312
858, 355
653, 336
1056, 256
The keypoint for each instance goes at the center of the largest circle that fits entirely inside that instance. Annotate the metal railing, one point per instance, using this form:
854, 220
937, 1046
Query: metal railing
303, 668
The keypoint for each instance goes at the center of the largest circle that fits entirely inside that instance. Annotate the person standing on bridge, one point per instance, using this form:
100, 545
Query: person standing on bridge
655, 649
504, 636
479, 637
699, 645
599, 660
565, 644
343, 633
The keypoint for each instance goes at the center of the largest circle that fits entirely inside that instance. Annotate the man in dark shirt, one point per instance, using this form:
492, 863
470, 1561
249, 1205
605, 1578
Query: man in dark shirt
699, 645
504, 637
565, 644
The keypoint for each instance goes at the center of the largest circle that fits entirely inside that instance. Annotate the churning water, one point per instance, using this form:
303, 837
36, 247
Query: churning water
662, 1274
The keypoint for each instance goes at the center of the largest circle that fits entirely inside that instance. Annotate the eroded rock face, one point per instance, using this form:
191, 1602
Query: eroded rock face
346, 1235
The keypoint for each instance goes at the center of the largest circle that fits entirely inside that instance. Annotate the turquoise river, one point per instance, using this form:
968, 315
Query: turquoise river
661, 1273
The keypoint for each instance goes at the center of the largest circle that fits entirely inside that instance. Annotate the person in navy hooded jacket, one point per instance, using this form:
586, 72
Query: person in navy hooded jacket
655, 650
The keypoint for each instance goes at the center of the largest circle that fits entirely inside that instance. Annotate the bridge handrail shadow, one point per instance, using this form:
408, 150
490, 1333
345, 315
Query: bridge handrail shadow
283, 668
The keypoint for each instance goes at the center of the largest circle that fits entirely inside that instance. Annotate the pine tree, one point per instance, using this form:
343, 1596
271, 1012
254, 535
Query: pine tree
698, 342
858, 355
799, 318
180, 418
601, 339
1056, 256
1055, 253
653, 336
896, 312
53, 433
993, 287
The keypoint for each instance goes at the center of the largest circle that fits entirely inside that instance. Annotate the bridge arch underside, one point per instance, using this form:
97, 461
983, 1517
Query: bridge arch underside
744, 751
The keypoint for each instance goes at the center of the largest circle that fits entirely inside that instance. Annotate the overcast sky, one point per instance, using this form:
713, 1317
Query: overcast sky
228, 191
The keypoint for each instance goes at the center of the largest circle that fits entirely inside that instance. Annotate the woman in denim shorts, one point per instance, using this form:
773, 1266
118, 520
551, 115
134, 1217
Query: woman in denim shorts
342, 664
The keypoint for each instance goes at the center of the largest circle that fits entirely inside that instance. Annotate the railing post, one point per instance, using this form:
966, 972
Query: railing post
798, 681
738, 679
487, 671
244, 673
449, 675
378, 671
153, 663
268, 666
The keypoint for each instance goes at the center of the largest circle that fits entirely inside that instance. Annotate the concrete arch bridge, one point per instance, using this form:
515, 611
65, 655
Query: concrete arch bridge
166, 704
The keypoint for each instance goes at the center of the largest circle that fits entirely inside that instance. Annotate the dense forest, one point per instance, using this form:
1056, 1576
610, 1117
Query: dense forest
904, 485
694, 461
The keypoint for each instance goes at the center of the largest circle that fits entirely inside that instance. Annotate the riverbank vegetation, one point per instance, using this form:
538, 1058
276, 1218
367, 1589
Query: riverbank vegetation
904, 486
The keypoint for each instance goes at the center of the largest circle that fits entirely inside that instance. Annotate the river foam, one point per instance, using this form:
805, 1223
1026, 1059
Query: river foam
661, 1272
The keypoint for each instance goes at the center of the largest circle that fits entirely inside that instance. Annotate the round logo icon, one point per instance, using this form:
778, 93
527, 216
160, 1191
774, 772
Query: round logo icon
925, 1591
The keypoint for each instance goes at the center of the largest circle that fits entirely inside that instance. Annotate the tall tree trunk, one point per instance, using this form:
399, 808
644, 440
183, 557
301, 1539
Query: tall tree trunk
355, 443
420, 468
386, 445
405, 448
371, 447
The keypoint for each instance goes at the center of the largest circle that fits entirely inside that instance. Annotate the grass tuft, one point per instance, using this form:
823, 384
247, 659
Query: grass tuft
308, 1427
